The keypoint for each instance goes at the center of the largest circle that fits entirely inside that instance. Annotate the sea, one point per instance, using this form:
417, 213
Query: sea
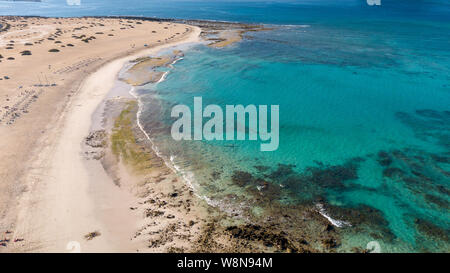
364, 110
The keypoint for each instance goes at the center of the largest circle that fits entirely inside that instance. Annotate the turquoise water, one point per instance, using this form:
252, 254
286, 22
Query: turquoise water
347, 102
364, 96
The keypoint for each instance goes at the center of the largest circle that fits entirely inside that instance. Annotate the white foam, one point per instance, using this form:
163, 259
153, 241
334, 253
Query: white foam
334, 222
163, 77
187, 176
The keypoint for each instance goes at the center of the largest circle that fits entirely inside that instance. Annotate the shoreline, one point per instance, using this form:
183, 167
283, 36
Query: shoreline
63, 200
231, 231
79, 189
72, 193
221, 33
145, 18
107, 74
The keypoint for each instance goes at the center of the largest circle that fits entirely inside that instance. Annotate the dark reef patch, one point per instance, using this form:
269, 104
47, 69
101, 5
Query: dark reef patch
215, 175
273, 185
361, 217
300, 217
438, 201
252, 232
314, 181
429, 125
421, 172
283, 170
261, 168
393, 173
333, 176
262, 190
384, 159
429, 113
427, 228
442, 189
242, 178
441, 158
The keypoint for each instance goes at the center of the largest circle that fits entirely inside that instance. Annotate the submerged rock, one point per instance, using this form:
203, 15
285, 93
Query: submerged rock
393, 172
96, 139
242, 178
438, 201
384, 159
257, 233
329, 243
432, 230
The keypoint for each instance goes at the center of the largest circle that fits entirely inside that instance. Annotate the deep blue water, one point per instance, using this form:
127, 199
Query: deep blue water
364, 96
279, 12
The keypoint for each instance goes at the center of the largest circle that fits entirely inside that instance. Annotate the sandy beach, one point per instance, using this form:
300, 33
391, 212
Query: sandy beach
68, 183
77, 172
199, 127
51, 198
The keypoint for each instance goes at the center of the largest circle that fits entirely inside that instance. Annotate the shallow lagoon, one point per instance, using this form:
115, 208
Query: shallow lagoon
364, 95
364, 128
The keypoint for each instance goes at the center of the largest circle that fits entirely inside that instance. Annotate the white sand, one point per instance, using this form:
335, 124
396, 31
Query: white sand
75, 198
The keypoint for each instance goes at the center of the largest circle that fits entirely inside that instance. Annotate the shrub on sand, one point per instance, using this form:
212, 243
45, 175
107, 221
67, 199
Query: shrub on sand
92, 235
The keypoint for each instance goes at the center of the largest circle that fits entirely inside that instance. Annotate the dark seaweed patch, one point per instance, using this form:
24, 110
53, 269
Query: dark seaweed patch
429, 113
360, 216
393, 173
261, 168
438, 201
304, 186
256, 185
215, 175
429, 125
330, 243
384, 159
418, 169
421, 175
242, 178
333, 176
430, 229
283, 170
257, 233
442, 189
441, 159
